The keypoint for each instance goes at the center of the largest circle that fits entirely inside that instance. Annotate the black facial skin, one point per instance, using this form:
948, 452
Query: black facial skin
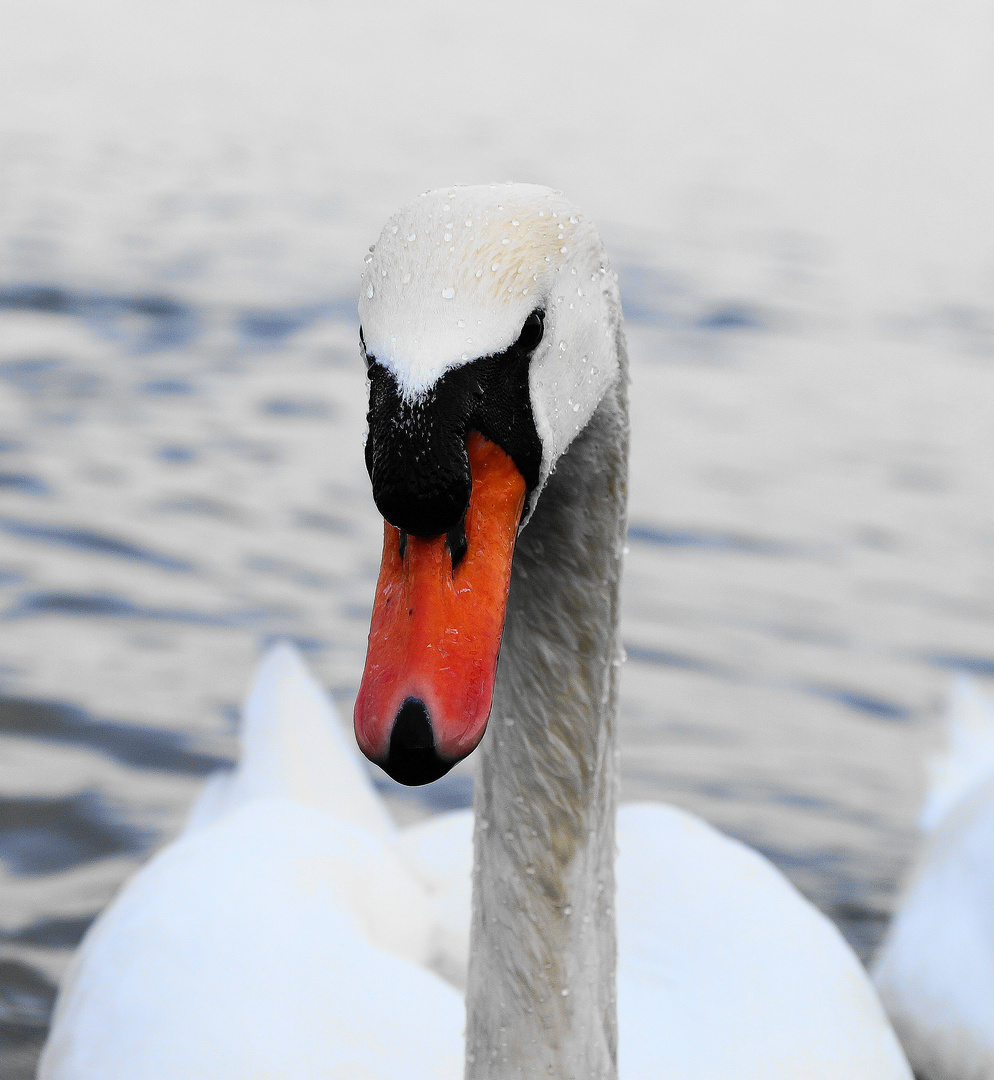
416, 452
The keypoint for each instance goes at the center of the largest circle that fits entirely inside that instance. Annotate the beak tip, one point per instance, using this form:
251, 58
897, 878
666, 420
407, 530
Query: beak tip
412, 758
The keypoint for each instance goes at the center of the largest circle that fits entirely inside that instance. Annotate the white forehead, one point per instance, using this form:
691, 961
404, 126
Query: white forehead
455, 274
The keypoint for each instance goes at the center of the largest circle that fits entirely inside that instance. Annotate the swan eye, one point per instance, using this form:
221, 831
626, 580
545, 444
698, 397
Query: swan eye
531, 332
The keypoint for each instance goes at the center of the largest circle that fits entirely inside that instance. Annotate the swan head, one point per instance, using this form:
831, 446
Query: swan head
489, 323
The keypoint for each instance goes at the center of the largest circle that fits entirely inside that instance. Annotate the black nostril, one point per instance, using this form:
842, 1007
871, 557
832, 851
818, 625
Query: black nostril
412, 758
457, 543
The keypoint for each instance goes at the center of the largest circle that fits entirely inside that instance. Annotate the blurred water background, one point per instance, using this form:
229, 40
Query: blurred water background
797, 199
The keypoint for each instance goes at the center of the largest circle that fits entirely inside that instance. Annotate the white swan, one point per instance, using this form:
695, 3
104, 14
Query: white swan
935, 969
726, 970
287, 933
281, 936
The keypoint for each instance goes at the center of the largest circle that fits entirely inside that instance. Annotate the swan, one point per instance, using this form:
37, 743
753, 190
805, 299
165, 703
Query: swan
293, 931
497, 451
282, 935
935, 968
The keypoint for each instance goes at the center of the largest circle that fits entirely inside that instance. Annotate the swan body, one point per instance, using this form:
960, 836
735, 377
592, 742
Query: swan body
278, 938
724, 969
935, 969
281, 936
286, 932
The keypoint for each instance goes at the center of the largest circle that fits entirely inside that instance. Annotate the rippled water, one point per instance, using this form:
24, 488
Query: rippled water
810, 553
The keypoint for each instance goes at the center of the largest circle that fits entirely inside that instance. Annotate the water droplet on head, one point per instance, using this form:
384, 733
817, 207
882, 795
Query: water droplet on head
412, 237
369, 292
562, 251
407, 279
461, 322
469, 223
576, 407
495, 266
448, 294
395, 230
367, 259
479, 273
505, 240
448, 237
515, 223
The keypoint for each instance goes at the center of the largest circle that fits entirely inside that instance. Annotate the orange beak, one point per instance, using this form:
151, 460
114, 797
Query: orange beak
437, 621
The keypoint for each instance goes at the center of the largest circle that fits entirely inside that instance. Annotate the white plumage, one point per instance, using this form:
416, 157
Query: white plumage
935, 970
280, 937
288, 933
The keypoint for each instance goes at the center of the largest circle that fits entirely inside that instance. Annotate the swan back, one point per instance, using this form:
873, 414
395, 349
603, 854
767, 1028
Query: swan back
935, 969
245, 949
293, 747
281, 936
967, 757
727, 971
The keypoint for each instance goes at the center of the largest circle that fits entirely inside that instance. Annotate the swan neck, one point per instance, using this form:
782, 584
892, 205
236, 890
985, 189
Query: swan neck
541, 986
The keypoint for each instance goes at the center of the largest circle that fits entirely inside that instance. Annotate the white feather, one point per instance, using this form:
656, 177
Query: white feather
935, 970
967, 758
